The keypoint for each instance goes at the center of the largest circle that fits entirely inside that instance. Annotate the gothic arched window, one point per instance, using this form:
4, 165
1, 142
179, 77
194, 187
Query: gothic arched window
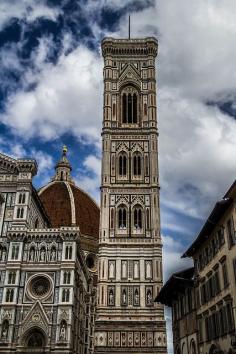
15, 251
68, 254
67, 277
122, 164
9, 295
137, 164
137, 217
122, 218
12, 278
65, 295
129, 105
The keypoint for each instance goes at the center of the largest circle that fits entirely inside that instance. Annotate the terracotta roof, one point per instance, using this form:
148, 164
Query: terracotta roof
176, 283
218, 211
68, 205
212, 221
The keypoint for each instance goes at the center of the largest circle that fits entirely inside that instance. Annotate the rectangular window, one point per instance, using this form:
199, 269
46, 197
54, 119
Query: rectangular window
217, 283
230, 232
11, 199
221, 236
230, 317
234, 266
200, 331
225, 274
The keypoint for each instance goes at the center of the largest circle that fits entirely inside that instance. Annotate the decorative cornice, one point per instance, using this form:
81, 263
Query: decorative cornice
132, 47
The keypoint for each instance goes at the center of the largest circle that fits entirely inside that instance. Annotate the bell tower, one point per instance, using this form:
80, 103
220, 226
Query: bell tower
130, 248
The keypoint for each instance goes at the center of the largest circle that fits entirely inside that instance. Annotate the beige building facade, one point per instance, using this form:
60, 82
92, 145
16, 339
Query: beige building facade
130, 248
179, 294
214, 255
212, 321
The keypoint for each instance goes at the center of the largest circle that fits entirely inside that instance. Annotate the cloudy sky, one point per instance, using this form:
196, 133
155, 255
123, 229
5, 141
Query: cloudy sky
51, 94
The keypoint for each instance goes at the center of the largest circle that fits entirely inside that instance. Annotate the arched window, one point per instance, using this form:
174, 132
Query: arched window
122, 218
137, 164
68, 254
122, 164
20, 213
12, 278
66, 277
137, 217
129, 105
15, 252
193, 347
9, 295
65, 295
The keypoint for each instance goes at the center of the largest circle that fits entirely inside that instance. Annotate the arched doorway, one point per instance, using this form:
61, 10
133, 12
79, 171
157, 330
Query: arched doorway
193, 347
35, 341
214, 349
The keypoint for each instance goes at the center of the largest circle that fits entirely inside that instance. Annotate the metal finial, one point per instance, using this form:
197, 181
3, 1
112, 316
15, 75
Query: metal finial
129, 26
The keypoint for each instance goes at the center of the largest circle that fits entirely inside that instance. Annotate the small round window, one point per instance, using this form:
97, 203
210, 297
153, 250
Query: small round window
40, 286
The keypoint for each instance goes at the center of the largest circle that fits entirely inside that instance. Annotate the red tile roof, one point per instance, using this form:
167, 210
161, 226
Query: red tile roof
58, 205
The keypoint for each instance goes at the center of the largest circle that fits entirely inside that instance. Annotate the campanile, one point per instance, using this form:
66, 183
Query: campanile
130, 248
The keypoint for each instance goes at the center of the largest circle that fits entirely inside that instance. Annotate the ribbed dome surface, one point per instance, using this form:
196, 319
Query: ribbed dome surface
67, 205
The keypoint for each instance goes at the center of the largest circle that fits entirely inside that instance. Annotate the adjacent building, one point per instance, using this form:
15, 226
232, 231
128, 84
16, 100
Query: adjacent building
214, 287
179, 294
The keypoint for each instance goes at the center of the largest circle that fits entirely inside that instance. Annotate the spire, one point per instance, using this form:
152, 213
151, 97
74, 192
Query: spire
129, 26
63, 167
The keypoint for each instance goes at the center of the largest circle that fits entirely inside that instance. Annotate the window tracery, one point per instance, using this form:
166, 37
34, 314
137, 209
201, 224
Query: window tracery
122, 164
137, 217
129, 105
122, 217
137, 164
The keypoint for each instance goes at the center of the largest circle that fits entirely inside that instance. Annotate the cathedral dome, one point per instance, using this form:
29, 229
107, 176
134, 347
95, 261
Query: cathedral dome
68, 205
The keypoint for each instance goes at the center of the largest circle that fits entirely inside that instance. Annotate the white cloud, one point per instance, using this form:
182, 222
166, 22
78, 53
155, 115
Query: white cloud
68, 97
89, 178
195, 65
172, 252
26, 10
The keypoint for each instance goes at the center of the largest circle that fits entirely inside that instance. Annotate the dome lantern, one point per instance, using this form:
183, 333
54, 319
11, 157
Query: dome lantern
63, 168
